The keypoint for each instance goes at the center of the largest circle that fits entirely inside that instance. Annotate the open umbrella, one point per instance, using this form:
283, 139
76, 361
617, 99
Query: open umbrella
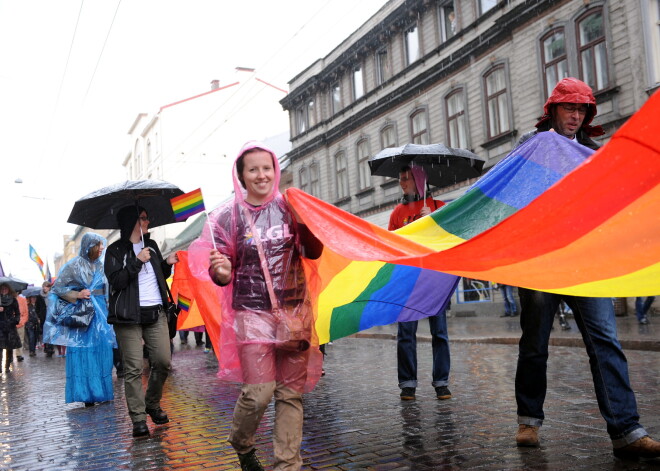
98, 210
14, 283
444, 165
32, 291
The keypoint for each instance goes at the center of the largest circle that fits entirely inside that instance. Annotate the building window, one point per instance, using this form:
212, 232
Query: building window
553, 57
486, 5
653, 43
342, 175
148, 153
314, 177
304, 182
388, 136
592, 49
456, 123
383, 72
497, 101
364, 174
419, 128
358, 83
412, 44
447, 20
301, 120
335, 97
311, 112
138, 166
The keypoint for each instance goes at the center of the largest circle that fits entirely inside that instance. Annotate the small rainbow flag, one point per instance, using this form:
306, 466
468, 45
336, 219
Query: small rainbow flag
184, 303
37, 259
187, 205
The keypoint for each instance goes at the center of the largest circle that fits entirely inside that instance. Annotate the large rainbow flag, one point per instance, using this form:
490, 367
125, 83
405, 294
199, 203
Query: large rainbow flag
550, 216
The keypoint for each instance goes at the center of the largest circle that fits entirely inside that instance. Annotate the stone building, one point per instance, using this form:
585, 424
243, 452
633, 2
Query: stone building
472, 74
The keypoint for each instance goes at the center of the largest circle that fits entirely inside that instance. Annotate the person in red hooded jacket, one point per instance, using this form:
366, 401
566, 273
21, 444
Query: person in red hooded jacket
569, 112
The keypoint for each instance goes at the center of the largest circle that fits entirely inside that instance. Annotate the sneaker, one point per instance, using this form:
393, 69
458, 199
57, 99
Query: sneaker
566, 326
20, 358
528, 435
645, 447
250, 462
157, 415
443, 392
407, 394
644, 320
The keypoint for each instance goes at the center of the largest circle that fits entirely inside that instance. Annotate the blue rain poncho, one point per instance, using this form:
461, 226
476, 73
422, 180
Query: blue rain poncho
78, 274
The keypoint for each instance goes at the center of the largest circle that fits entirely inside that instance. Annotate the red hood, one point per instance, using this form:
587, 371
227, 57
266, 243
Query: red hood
572, 90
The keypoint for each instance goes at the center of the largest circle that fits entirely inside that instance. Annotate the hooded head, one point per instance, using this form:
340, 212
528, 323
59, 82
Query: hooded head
127, 217
243, 187
572, 90
90, 240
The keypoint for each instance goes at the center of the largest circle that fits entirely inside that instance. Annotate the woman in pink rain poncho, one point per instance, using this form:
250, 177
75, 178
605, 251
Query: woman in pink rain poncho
255, 256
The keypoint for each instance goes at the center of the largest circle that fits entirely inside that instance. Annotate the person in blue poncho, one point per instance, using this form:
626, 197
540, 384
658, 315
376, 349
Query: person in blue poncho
89, 356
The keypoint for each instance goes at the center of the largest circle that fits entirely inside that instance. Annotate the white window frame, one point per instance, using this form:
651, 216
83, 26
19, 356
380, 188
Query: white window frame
446, 32
502, 99
358, 82
383, 69
341, 170
413, 44
459, 119
364, 173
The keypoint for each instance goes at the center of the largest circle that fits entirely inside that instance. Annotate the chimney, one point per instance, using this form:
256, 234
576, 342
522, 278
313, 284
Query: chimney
215, 84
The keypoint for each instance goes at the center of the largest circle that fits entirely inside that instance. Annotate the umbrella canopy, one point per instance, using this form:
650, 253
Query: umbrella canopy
444, 165
98, 210
14, 283
32, 291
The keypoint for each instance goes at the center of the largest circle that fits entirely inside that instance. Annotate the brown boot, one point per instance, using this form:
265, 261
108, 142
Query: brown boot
645, 447
528, 435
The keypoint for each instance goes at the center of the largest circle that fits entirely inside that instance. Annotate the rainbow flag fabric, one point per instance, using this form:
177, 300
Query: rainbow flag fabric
550, 216
187, 205
34, 256
184, 303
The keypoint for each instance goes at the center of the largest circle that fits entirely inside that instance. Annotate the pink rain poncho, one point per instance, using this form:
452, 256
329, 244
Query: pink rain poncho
249, 348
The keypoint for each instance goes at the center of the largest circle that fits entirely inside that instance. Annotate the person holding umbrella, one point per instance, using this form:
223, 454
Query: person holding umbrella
137, 272
415, 205
9, 318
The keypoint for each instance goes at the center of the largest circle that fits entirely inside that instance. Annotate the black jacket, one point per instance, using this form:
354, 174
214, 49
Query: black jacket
121, 268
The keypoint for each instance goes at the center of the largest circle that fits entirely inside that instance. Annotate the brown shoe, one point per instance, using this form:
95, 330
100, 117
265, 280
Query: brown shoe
645, 447
528, 435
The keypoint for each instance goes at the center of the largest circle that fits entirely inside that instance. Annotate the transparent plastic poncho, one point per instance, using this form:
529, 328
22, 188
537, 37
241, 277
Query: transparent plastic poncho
78, 274
250, 349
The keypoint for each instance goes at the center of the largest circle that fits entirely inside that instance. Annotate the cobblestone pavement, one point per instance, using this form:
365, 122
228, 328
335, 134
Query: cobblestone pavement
354, 418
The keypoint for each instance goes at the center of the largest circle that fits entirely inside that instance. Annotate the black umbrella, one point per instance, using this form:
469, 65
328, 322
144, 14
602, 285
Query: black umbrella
32, 291
98, 210
14, 283
444, 165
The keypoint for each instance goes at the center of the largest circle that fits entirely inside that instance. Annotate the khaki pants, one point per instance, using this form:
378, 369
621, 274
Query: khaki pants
156, 337
269, 372
287, 432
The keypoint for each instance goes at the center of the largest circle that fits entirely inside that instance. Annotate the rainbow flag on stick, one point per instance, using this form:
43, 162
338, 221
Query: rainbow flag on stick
184, 303
37, 259
187, 205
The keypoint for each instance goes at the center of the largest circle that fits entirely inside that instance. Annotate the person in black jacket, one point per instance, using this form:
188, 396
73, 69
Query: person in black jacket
9, 318
136, 273
49, 349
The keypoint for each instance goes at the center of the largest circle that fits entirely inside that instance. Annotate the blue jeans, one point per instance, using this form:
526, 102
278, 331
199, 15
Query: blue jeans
510, 307
31, 333
406, 351
609, 367
642, 306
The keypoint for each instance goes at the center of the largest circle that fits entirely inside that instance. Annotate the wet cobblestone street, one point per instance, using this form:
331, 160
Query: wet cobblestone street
354, 418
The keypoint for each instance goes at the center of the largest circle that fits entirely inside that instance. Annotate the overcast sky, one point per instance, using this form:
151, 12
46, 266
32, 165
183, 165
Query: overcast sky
74, 74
